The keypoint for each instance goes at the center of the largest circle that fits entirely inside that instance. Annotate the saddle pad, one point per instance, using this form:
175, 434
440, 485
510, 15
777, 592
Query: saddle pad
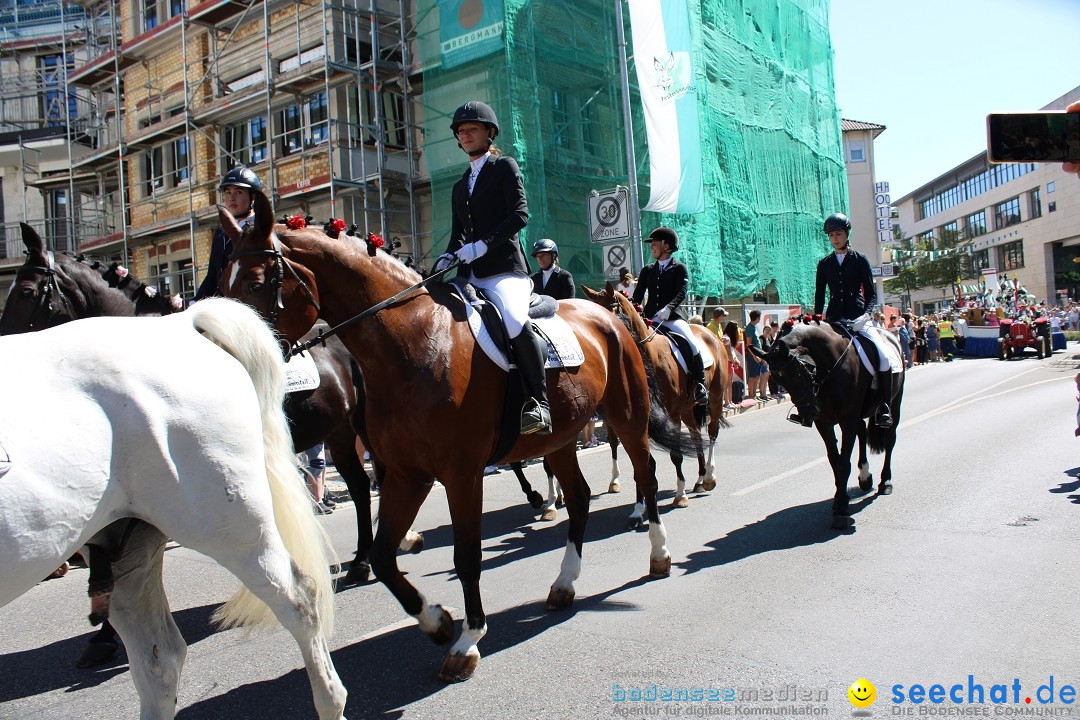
301, 373
564, 350
706, 354
892, 354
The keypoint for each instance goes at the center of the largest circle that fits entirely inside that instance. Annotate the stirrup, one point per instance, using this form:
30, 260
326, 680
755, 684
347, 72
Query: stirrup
535, 419
701, 395
883, 418
797, 419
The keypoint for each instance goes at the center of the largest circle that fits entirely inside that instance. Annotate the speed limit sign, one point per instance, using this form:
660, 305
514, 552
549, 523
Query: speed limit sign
608, 216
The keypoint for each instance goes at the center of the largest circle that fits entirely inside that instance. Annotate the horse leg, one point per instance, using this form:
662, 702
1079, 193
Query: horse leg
578, 498
840, 461
709, 481
555, 495
342, 445
885, 487
102, 646
140, 612
680, 500
535, 499
866, 478
636, 521
613, 439
465, 496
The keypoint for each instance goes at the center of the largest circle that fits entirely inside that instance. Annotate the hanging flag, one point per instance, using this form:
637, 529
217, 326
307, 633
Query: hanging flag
665, 72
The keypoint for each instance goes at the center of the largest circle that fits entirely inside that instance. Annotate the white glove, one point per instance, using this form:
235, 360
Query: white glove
472, 251
664, 314
443, 262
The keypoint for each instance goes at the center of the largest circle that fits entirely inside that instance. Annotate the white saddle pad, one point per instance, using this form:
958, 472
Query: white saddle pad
706, 353
301, 373
564, 350
892, 351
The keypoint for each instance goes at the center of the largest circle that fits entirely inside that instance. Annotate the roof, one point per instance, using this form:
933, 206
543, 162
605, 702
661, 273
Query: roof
850, 125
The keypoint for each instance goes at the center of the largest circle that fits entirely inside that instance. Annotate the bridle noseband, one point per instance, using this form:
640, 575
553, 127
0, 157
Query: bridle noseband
277, 280
50, 287
814, 380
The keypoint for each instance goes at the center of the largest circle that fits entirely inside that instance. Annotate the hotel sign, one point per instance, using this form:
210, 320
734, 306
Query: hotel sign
883, 212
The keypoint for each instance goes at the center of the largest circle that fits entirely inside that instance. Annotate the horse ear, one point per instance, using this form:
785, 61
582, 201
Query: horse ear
228, 223
31, 239
264, 216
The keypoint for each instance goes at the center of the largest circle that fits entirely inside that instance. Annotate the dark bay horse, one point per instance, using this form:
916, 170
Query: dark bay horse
829, 385
672, 383
441, 398
52, 288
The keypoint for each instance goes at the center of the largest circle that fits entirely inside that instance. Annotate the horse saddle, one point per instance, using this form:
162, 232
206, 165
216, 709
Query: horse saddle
485, 321
301, 374
867, 350
680, 348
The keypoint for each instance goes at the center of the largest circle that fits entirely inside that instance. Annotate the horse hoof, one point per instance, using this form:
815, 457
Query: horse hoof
359, 573
885, 488
866, 484
841, 522
459, 668
709, 484
559, 599
536, 500
445, 633
659, 568
634, 523
416, 546
549, 514
614, 487
680, 502
96, 653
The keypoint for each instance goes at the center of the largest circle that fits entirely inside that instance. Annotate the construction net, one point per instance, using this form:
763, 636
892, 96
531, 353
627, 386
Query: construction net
771, 143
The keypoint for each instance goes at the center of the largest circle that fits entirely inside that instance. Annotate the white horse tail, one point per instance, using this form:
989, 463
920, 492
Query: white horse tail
243, 334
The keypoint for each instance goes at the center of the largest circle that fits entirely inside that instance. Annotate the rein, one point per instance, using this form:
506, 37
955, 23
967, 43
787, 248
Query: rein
817, 381
279, 278
51, 286
320, 339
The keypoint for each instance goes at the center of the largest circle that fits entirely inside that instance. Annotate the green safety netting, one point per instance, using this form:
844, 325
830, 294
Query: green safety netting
772, 152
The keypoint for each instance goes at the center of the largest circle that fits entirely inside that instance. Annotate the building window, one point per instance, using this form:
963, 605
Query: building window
1012, 255
992, 177
149, 14
975, 224
980, 260
1051, 187
318, 118
53, 97
1036, 204
306, 124
856, 151
1007, 213
1051, 206
183, 270
153, 174
179, 161
949, 234
245, 143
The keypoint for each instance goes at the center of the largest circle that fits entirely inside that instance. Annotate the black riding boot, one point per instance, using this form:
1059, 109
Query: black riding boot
883, 418
696, 366
530, 353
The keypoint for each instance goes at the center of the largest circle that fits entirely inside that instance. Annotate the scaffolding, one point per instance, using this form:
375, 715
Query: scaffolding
314, 96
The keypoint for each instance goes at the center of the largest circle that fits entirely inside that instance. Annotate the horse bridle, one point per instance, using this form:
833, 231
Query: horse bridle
814, 381
50, 287
277, 280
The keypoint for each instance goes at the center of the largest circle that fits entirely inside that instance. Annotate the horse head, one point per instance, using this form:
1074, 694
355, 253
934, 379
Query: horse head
789, 360
262, 273
35, 300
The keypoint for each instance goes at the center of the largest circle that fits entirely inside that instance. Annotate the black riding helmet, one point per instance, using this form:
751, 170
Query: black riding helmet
475, 111
667, 235
837, 221
241, 177
545, 245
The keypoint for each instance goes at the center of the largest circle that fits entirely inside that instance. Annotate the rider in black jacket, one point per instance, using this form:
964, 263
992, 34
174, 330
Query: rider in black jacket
237, 190
551, 279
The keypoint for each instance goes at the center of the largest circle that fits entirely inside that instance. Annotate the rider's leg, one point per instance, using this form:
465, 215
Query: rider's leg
530, 354
883, 418
694, 364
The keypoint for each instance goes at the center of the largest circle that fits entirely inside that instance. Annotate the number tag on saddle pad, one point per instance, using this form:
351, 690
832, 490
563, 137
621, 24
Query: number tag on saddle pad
301, 374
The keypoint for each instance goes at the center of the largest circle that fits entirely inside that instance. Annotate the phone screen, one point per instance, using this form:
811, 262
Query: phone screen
1033, 137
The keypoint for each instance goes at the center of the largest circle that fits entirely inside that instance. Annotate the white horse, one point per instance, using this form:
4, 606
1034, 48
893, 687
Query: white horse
175, 421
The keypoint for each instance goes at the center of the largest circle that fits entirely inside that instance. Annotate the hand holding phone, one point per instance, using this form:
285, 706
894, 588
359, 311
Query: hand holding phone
1036, 137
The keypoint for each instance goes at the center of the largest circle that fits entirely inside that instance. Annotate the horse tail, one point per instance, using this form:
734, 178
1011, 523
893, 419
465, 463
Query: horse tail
243, 334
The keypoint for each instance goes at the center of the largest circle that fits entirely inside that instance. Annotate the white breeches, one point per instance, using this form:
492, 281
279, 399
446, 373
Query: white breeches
511, 294
681, 328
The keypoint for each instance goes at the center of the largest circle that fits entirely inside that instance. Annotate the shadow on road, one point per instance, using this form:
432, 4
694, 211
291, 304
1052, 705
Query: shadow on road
798, 526
1068, 487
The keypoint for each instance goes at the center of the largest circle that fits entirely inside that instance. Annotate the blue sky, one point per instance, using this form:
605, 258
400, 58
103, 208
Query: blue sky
930, 71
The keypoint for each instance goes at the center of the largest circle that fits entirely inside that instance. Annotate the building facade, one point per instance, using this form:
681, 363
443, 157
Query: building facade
1021, 220
863, 191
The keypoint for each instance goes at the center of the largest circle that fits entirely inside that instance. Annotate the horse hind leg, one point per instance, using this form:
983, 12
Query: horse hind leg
680, 500
866, 478
548, 512
614, 486
578, 497
140, 613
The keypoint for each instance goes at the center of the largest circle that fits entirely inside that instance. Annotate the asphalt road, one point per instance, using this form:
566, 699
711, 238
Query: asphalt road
965, 577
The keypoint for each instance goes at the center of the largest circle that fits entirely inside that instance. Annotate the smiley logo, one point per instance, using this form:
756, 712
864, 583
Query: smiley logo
862, 693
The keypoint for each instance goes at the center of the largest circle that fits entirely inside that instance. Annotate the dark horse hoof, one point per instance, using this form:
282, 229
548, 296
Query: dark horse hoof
445, 633
559, 599
885, 488
841, 522
459, 668
866, 484
634, 523
359, 573
535, 499
96, 653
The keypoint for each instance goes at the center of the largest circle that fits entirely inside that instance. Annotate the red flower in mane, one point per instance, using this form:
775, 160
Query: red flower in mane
375, 240
296, 222
337, 224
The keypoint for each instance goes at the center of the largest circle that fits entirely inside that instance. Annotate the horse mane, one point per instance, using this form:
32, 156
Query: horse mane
84, 285
350, 246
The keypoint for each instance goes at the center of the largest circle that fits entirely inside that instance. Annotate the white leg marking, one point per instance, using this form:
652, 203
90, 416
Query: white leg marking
570, 570
430, 617
639, 511
410, 540
466, 642
658, 538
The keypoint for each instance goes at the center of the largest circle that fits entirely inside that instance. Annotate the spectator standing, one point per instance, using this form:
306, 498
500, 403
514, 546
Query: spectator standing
754, 369
716, 325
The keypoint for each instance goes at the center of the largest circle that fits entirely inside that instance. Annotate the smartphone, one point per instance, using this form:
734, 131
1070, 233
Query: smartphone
1033, 137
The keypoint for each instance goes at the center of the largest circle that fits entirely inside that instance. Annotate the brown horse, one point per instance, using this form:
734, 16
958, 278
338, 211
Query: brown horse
441, 398
672, 383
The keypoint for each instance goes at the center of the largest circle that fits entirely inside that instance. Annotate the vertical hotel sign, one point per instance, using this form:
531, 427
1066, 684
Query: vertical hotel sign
883, 213
469, 29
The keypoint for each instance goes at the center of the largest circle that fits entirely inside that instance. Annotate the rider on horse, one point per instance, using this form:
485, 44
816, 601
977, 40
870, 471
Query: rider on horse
551, 279
852, 295
237, 189
489, 209
667, 281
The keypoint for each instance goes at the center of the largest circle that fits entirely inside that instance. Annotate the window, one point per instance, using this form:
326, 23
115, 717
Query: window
1051, 207
149, 14
165, 166
179, 158
153, 174
1007, 213
857, 151
925, 241
992, 177
1012, 255
183, 270
53, 97
290, 122
305, 125
560, 119
318, 117
1051, 187
1036, 204
949, 234
980, 260
245, 142
362, 119
975, 224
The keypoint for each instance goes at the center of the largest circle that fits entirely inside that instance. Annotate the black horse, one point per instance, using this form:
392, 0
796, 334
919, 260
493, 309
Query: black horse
145, 298
53, 288
830, 386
